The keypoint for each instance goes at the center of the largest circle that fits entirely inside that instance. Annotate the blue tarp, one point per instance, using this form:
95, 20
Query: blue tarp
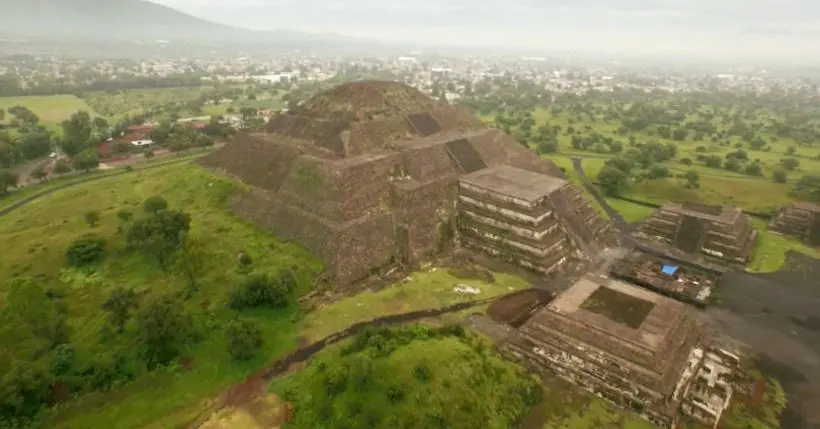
669, 269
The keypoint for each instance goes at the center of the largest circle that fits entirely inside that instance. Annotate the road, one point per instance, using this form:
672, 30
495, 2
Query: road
773, 314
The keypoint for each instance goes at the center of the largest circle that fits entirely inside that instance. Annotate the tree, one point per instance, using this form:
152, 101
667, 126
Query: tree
86, 160
612, 180
158, 235
162, 327
91, 218
753, 169
790, 164
791, 150
85, 251
713, 161
119, 305
154, 204
244, 339
692, 179
148, 153
2, 114
545, 146
202, 140
808, 188
61, 167
686, 161
77, 132
8, 179
191, 261
263, 290
35, 144
780, 176
657, 171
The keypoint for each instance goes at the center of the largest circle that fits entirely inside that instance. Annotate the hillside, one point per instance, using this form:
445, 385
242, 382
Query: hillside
110, 20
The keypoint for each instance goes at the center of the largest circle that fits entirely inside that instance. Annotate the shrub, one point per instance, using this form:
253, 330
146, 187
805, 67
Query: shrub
262, 290
92, 218
85, 251
154, 204
780, 176
244, 339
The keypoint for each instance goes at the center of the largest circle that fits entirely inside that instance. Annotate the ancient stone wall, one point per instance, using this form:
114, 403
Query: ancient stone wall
423, 208
374, 135
313, 185
361, 247
426, 162
364, 185
453, 117
497, 148
254, 160
287, 222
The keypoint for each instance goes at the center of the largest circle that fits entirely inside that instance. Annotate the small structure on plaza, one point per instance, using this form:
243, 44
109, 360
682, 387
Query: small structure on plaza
638, 349
681, 280
799, 220
724, 233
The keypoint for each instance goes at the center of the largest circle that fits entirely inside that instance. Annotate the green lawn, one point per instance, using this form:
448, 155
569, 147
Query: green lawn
424, 290
770, 250
631, 212
51, 109
35, 239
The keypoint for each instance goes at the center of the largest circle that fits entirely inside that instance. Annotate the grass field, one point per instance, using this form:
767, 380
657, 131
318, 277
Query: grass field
770, 250
423, 290
37, 235
18, 194
718, 186
51, 109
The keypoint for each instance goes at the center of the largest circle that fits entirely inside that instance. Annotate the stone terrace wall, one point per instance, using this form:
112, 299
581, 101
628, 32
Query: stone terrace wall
453, 117
287, 222
254, 160
364, 185
497, 148
375, 135
422, 207
362, 246
427, 162
313, 185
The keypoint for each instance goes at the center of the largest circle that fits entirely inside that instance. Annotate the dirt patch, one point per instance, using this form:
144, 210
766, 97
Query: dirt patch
186, 363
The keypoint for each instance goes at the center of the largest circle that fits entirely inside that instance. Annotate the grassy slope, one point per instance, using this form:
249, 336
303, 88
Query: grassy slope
425, 290
468, 386
36, 238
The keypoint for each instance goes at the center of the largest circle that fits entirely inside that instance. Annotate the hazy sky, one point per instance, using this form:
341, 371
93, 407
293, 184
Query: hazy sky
737, 28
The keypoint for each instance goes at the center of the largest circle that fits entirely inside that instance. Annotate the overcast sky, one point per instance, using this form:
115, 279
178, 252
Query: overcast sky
737, 28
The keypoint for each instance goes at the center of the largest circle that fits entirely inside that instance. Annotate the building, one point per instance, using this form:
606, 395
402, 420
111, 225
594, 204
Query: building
721, 232
799, 220
368, 174
682, 280
526, 218
635, 348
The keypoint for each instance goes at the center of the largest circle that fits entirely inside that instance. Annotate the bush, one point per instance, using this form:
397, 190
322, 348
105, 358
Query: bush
85, 251
780, 176
262, 290
154, 204
92, 218
244, 339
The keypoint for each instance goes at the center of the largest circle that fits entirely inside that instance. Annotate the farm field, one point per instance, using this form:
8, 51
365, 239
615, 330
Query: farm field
51, 109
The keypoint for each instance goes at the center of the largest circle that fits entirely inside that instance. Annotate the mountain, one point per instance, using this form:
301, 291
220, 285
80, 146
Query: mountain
105, 21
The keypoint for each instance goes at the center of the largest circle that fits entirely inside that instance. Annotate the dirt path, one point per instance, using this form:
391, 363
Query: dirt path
244, 393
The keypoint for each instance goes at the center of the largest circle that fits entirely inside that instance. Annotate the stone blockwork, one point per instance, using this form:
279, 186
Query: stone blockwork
527, 218
721, 232
799, 220
366, 175
641, 351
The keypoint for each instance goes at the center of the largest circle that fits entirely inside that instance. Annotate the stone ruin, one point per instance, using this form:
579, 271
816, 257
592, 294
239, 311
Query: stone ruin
637, 349
368, 175
799, 220
720, 232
